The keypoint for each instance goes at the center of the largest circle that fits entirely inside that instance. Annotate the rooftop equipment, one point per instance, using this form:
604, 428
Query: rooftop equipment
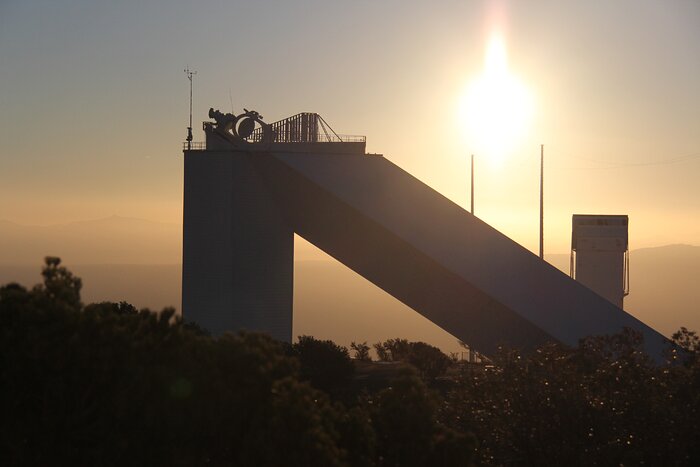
303, 132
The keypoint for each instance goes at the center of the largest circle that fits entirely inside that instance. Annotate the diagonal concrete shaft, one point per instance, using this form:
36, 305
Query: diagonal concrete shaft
434, 256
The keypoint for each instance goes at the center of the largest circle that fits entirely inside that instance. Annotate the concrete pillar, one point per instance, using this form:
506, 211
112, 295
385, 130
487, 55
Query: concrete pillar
238, 251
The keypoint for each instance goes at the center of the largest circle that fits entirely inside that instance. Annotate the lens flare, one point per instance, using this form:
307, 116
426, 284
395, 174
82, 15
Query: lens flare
496, 108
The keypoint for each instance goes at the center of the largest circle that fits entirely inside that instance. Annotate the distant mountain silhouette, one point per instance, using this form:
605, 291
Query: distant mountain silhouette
664, 286
111, 240
139, 261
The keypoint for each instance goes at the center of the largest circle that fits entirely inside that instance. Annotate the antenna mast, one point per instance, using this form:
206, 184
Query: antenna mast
542, 201
472, 195
190, 74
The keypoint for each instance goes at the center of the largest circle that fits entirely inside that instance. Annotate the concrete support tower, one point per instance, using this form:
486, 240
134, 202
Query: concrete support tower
238, 253
238, 246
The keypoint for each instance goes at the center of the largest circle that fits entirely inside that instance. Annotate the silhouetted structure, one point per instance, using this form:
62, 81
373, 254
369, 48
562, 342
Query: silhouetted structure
600, 254
246, 197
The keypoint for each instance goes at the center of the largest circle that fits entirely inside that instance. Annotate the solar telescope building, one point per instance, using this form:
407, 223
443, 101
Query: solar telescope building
251, 186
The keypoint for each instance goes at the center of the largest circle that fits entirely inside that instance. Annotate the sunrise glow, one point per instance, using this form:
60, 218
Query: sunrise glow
496, 109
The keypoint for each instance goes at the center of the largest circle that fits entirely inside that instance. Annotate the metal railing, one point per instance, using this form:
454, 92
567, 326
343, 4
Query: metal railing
195, 146
202, 145
350, 139
319, 138
305, 127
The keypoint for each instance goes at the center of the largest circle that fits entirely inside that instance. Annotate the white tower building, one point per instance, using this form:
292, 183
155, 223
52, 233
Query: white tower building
600, 255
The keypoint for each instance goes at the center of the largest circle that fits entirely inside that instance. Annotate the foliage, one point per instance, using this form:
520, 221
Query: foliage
392, 350
108, 384
688, 341
324, 364
105, 385
408, 431
361, 351
602, 403
121, 308
60, 286
427, 359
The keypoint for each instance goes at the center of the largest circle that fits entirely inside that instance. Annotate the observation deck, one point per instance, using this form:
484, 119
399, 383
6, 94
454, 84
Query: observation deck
305, 132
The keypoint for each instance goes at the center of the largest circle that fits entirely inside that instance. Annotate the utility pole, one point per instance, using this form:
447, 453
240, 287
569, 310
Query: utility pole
542, 201
190, 74
472, 196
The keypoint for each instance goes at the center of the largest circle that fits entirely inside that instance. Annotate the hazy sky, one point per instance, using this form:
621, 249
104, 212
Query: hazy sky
94, 101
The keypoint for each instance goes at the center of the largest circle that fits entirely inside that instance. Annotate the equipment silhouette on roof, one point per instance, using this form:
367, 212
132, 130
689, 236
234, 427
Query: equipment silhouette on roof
248, 131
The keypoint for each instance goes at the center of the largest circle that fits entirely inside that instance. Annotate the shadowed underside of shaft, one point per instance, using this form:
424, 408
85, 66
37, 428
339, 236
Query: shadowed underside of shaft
434, 256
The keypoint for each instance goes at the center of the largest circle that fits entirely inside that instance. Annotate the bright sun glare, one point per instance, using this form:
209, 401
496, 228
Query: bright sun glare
496, 109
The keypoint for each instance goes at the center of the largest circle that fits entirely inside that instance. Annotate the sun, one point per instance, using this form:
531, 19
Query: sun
496, 109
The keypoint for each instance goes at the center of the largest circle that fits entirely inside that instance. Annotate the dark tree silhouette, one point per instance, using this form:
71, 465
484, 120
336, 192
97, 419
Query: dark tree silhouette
324, 364
107, 384
361, 351
430, 361
60, 285
408, 431
104, 385
121, 308
602, 403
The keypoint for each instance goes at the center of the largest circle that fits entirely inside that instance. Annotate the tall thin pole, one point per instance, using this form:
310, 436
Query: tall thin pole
190, 74
472, 195
542, 201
